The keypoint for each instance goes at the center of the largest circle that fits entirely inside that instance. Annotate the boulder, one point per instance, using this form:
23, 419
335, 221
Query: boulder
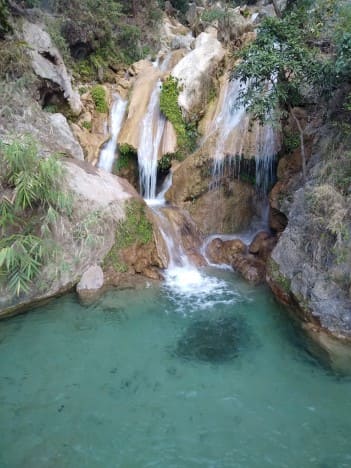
262, 245
223, 251
48, 64
90, 285
250, 267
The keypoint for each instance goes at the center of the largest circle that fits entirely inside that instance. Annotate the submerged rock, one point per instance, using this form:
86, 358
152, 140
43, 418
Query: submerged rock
214, 341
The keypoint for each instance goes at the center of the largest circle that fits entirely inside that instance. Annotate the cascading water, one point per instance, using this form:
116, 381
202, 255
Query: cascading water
107, 154
229, 118
153, 125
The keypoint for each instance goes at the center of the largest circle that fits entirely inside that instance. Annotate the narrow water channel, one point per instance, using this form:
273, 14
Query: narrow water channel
211, 375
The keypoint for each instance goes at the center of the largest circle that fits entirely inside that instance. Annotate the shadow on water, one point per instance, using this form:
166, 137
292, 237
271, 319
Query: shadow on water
215, 341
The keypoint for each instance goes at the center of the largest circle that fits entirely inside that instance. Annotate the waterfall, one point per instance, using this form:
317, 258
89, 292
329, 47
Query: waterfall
107, 154
228, 119
153, 125
265, 157
234, 136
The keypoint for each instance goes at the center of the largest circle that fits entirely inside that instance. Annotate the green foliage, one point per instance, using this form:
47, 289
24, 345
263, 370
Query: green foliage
291, 141
4, 19
98, 94
181, 5
215, 14
186, 132
274, 67
33, 188
21, 257
126, 154
14, 60
134, 229
82, 90
87, 125
164, 164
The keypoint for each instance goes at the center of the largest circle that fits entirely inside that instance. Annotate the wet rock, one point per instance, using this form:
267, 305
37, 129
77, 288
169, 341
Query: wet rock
214, 341
90, 285
262, 245
250, 267
219, 251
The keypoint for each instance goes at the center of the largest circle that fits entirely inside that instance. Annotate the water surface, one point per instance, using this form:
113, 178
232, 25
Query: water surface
141, 379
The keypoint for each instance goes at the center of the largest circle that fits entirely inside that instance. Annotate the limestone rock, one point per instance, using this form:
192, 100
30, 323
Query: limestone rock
195, 72
48, 63
90, 284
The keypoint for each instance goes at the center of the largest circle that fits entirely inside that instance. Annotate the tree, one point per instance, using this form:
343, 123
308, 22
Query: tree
275, 67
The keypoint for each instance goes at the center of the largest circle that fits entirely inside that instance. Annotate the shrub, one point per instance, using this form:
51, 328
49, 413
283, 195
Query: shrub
186, 132
98, 94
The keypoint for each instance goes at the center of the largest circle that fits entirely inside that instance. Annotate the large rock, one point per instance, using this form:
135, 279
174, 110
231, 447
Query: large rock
48, 63
223, 251
195, 72
66, 139
91, 283
84, 237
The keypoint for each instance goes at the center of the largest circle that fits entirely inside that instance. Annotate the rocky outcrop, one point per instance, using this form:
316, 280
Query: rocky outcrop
48, 63
83, 238
196, 71
310, 266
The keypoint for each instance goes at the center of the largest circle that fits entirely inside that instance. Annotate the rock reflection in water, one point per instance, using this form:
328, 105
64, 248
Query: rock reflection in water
213, 340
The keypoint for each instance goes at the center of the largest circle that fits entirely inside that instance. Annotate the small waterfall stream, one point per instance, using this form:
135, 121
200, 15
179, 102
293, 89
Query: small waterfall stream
153, 125
108, 152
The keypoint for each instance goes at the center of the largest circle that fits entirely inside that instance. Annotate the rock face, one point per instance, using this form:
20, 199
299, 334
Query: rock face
195, 72
225, 209
310, 266
48, 64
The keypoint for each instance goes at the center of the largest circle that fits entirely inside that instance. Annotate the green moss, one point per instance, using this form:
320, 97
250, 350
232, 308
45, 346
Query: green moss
281, 280
98, 94
186, 132
126, 155
134, 229
164, 164
87, 125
